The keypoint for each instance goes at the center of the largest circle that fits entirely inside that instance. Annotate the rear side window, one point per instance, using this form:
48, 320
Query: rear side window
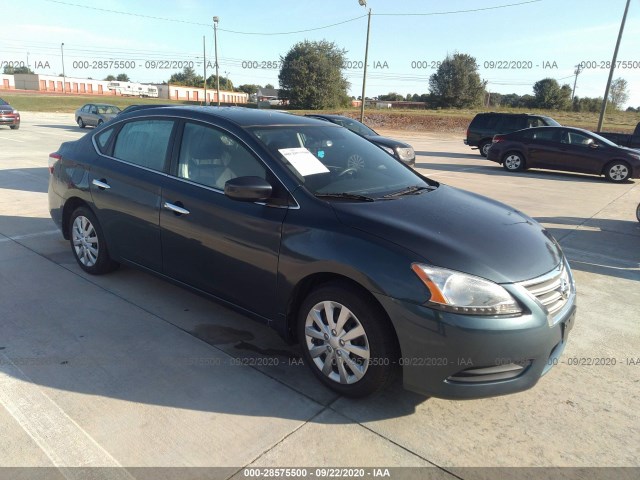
144, 143
102, 139
544, 135
485, 121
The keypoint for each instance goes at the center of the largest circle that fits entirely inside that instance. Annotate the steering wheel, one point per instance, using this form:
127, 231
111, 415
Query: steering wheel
348, 170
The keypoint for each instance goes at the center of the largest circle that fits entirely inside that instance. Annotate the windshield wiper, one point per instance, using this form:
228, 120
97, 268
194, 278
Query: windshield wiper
412, 190
346, 196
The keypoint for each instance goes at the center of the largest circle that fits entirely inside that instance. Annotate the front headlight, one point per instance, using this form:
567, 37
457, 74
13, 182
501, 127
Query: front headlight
462, 293
406, 153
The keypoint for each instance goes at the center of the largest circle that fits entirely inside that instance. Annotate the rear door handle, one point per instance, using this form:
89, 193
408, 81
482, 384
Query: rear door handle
101, 184
178, 210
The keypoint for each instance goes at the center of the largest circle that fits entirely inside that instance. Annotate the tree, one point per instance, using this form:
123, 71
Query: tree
618, 94
187, 78
391, 97
311, 76
109, 78
225, 83
268, 85
549, 95
457, 83
9, 70
249, 88
123, 77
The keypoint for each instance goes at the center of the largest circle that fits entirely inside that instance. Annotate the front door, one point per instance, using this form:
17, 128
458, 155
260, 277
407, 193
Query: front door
222, 246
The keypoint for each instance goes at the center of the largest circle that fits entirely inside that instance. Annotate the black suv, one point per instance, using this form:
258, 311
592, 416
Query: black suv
485, 125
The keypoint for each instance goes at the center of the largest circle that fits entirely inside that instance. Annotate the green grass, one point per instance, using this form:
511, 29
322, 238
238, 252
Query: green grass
616, 121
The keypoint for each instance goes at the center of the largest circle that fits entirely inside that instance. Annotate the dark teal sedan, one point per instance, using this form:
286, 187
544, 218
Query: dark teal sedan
375, 270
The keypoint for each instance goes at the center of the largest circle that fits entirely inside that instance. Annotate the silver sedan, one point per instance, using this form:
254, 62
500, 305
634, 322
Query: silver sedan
95, 114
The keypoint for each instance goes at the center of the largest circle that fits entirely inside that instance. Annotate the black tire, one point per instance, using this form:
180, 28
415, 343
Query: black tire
617, 171
100, 122
484, 148
80, 122
638, 212
14, 127
88, 244
513, 162
359, 376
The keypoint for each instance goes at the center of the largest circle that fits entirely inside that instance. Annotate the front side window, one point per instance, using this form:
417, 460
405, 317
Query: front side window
334, 161
574, 138
144, 143
211, 157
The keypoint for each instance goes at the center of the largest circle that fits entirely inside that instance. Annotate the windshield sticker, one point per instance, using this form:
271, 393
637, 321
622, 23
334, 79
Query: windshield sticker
303, 161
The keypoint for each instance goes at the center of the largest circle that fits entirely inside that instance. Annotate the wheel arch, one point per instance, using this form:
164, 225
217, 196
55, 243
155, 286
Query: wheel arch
514, 150
615, 160
313, 281
69, 207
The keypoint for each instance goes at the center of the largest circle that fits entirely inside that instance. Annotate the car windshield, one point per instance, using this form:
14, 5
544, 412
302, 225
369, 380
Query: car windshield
354, 126
606, 141
2, 102
108, 109
332, 161
551, 122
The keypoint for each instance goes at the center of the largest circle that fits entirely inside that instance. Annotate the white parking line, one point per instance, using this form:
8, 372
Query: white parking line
65, 443
12, 139
28, 235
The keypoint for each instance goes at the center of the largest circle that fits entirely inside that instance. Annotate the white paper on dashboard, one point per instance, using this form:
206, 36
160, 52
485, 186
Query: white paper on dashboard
303, 161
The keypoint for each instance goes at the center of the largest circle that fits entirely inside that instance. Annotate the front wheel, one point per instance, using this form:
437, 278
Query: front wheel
348, 343
513, 162
80, 122
88, 243
638, 212
617, 171
484, 148
15, 127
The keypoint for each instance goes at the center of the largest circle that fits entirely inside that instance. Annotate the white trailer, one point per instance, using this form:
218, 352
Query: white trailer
133, 89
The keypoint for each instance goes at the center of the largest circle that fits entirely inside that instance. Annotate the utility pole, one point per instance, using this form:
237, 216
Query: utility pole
613, 66
204, 62
215, 41
577, 72
363, 3
64, 77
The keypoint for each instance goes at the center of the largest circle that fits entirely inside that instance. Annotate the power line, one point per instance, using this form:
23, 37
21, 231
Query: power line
455, 11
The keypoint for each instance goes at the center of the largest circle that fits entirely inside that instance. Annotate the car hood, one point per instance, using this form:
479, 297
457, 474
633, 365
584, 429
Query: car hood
386, 141
461, 231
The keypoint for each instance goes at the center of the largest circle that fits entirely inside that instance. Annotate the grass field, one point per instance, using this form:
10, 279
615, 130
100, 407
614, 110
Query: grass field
449, 120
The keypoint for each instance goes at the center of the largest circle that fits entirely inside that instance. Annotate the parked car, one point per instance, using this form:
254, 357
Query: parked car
565, 148
370, 269
402, 151
9, 116
95, 114
485, 126
624, 139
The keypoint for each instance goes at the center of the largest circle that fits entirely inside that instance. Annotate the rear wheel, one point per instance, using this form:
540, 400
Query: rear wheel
88, 244
638, 212
81, 123
617, 171
348, 343
484, 148
513, 162
100, 122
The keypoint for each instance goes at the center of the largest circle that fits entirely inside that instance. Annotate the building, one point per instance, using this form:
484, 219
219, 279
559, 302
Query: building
7, 82
196, 94
51, 83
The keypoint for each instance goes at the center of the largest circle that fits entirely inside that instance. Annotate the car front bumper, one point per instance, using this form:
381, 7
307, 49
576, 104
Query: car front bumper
456, 356
10, 119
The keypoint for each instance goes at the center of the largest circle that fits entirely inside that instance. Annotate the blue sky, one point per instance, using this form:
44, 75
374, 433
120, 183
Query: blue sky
557, 34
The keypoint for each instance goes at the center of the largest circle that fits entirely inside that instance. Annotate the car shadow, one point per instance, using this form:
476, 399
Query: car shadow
132, 336
68, 128
35, 179
603, 246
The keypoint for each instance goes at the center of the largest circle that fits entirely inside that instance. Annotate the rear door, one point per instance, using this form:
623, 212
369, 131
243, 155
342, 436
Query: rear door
543, 147
222, 246
126, 183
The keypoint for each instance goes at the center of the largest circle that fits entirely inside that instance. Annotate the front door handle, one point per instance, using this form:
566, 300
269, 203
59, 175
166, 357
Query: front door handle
177, 209
101, 184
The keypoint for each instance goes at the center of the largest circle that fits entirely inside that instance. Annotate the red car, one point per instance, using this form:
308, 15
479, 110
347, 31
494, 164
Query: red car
9, 115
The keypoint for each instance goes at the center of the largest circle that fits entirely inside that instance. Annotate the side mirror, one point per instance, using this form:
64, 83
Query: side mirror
248, 189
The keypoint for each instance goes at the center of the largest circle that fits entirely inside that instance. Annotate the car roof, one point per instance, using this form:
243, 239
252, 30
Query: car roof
328, 115
241, 116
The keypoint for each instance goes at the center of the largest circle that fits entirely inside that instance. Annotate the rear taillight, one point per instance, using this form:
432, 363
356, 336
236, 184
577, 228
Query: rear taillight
498, 138
53, 158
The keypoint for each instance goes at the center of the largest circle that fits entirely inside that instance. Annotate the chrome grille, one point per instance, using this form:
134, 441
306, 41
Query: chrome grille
553, 290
